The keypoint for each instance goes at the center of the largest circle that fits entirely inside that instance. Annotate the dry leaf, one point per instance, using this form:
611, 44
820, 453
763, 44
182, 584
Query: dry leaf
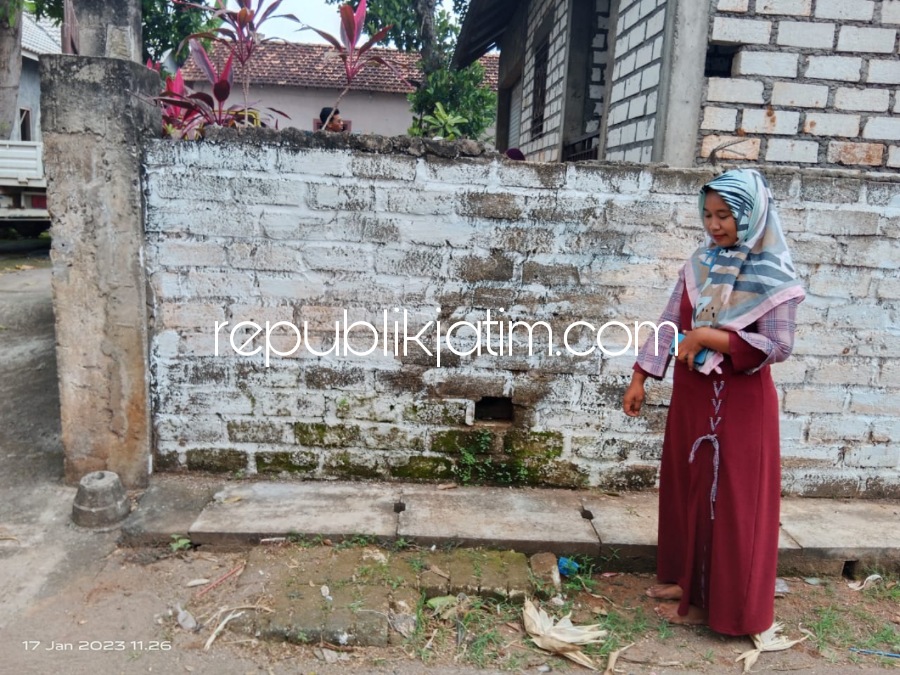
611, 663
561, 637
767, 641
437, 570
197, 582
447, 486
859, 585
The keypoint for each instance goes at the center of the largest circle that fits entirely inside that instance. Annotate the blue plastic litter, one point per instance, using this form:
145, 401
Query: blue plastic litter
875, 653
567, 567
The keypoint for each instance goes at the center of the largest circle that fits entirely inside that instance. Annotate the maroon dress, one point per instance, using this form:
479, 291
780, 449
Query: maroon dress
720, 488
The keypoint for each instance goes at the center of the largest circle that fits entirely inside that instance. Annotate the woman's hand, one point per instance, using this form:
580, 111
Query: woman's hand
702, 338
690, 346
634, 395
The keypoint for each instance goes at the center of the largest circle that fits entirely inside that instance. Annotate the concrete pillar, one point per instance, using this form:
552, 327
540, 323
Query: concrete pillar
681, 84
109, 28
93, 122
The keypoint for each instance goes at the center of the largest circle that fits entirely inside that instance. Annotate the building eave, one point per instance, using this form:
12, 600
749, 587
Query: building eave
483, 27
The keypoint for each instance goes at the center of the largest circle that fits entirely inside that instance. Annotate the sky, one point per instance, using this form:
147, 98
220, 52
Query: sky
312, 12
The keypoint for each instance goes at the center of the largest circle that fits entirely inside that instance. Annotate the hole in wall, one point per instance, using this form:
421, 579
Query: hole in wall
587, 515
849, 569
399, 507
494, 409
719, 60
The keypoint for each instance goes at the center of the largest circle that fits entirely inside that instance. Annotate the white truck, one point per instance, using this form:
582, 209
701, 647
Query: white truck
23, 188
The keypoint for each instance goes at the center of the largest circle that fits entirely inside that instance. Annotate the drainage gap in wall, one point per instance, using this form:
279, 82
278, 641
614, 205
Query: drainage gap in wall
494, 409
587, 515
719, 59
399, 507
849, 570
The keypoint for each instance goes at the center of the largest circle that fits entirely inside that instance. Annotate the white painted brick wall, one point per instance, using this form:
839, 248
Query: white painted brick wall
843, 233
733, 5
870, 100
793, 94
890, 11
772, 64
784, 150
846, 68
735, 91
884, 72
847, 10
882, 128
785, 7
741, 31
894, 157
719, 119
779, 122
805, 34
857, 39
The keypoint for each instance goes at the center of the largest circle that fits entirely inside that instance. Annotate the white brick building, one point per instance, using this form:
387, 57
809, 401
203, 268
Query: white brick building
784, 81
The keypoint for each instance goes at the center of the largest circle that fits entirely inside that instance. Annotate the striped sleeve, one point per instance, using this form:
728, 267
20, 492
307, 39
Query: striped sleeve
652, 361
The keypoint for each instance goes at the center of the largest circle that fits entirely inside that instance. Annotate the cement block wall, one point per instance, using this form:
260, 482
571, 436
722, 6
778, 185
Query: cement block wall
636, 70
299, 228
812, 84
545, 146
597, 89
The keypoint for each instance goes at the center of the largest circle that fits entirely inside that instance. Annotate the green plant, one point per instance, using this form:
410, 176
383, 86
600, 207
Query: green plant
355, 540
461, 94
180, 543
469, 468
441, 123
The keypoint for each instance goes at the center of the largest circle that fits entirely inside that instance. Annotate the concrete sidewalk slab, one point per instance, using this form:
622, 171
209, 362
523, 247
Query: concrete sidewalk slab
169, 506
525, 520
248, 512
626, 526
844, 532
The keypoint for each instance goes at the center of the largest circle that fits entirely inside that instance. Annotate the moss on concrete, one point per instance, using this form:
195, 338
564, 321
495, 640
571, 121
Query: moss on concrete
319, 435
290, 462
424, 468
345, 465
255, 432
218, 461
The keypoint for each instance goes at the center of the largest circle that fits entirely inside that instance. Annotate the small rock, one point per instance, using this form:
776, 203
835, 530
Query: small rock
185, 619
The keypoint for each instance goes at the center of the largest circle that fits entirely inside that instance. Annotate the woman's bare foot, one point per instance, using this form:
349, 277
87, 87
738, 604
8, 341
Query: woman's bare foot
664, 592
694, 617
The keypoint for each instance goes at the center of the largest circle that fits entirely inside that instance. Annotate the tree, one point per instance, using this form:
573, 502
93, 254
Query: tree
166, 25
10, 64
421, 27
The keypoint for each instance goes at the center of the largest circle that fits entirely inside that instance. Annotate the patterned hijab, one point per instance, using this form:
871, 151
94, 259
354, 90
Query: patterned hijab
732, 287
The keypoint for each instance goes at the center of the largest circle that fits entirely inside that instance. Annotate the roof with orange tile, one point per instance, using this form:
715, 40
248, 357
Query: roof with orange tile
318, 66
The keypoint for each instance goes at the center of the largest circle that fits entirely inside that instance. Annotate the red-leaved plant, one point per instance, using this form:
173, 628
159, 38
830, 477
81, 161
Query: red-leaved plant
186, 113
239, 30
356, 58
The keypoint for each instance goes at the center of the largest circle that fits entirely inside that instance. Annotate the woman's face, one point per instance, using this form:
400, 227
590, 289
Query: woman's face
719, 221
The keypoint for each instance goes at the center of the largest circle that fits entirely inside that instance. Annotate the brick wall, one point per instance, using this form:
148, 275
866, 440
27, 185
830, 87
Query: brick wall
284, 227
599, 65
545, 147
636, 70
812, 84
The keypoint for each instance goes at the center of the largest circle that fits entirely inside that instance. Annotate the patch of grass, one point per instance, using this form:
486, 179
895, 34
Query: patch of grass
830, 628
482, 641
355, 540
664, 630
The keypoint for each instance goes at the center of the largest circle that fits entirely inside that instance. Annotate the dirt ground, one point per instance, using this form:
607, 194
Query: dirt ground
120, 617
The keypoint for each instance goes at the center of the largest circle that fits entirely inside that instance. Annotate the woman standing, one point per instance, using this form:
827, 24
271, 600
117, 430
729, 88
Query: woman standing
720, 478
